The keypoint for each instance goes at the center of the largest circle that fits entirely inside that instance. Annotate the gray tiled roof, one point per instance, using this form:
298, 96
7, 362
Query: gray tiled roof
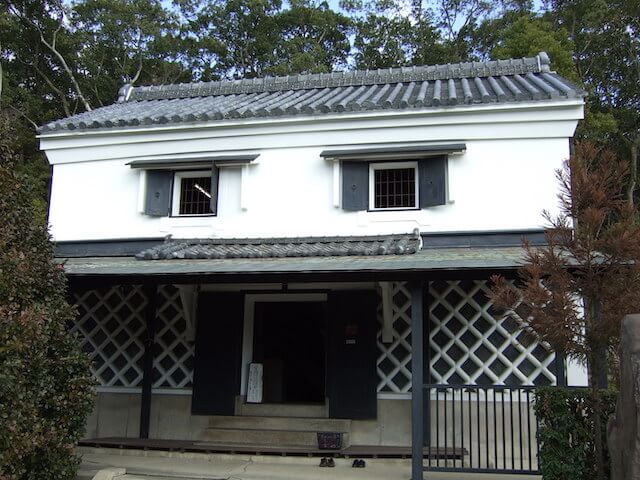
284, 247
440, 259
421, 87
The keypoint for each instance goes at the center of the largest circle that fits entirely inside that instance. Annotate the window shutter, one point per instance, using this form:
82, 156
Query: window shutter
215, 175
432, 175
355, 185
158, 194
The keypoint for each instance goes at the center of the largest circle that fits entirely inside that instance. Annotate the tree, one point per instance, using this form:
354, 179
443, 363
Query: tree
45, 383
575, 290
313, 39
530, 34
124, 41
606, 39
239, 35
394, 34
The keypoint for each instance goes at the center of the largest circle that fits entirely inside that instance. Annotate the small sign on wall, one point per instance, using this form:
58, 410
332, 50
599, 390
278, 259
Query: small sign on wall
254, 387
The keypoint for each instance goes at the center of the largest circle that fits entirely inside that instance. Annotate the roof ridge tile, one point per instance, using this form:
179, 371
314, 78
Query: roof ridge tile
537, 64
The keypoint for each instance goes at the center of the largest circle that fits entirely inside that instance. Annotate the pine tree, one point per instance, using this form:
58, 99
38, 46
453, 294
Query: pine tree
575, 291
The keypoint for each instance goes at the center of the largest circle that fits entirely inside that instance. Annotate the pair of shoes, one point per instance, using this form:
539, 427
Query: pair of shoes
358, 463
327, 462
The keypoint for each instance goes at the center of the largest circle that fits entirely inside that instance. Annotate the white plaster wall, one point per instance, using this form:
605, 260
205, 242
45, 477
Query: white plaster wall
503, 181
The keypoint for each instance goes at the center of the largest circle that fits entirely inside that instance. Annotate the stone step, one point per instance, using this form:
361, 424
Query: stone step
281, 423
283, 410
246, 436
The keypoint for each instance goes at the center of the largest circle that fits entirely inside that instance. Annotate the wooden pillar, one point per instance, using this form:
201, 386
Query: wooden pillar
151, 294
426, 372
417, 380
561, 370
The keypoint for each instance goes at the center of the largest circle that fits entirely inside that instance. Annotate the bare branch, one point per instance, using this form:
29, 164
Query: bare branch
57, 91
23, 115
51, 46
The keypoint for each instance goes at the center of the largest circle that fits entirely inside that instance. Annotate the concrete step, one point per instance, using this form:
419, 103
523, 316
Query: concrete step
283, 410
281, 423
161, 477
86, 473
245, 436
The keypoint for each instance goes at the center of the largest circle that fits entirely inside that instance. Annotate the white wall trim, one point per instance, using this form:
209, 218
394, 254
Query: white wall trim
138, 391
394, 396
249, 316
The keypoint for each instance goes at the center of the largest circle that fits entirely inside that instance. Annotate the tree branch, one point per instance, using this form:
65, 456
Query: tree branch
23, 115
60, 93
52, 46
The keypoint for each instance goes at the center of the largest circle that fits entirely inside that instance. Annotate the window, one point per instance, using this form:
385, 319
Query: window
192, 193
393, 185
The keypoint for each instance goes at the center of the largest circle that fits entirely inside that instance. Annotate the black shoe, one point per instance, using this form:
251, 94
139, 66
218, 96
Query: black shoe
361, 463
324, 462
330, 462
355, 464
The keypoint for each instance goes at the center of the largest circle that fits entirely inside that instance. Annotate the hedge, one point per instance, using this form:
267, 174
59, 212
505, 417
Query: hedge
565, 431
46, 389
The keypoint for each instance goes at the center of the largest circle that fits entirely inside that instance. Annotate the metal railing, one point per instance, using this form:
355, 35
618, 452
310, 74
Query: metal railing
480, 429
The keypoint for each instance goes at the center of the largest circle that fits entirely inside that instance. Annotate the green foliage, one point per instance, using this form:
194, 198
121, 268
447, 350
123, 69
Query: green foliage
529, 35
45, 383
565, 429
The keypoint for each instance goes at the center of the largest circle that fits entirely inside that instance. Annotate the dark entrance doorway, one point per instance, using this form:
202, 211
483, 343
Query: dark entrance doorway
289, 340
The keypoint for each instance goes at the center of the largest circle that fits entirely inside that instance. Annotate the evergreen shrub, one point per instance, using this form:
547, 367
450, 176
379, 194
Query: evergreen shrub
565, 426
46, 390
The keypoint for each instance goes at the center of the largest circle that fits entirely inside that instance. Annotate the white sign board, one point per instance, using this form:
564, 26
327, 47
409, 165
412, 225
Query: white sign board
254, 387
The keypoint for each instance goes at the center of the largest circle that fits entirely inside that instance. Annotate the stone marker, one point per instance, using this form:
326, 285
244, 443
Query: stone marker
623, 430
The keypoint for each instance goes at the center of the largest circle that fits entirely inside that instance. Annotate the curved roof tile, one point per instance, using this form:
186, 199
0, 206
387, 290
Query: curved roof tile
436, 86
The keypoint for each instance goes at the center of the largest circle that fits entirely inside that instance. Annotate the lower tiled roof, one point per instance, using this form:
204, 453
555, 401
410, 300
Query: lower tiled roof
403, 244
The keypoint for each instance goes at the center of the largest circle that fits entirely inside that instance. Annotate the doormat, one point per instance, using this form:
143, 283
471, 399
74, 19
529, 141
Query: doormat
329, 440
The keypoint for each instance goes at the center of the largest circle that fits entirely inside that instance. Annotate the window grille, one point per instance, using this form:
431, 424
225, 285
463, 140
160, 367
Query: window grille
195, 195
394, 187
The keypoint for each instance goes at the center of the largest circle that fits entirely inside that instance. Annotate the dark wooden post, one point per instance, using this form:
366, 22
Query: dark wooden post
151, 294
417, 380
561, 370
426, 372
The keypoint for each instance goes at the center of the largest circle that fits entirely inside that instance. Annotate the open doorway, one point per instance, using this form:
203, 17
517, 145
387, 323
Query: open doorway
289, 340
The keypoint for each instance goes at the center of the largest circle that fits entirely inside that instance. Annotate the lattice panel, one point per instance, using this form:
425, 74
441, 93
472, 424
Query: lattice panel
469, 345
394, 359
111, 329
173, 354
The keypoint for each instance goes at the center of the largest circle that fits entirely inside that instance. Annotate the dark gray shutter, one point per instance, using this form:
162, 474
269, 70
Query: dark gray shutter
352, 379
215, 175
432, 175
218, 353
158, 194
355, 185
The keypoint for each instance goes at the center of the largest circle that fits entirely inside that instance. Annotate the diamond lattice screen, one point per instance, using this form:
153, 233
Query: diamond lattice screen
173, 354
468, 344
394, 359
111, 329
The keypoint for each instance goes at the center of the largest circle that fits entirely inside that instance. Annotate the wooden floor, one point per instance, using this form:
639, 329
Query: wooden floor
359, 451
